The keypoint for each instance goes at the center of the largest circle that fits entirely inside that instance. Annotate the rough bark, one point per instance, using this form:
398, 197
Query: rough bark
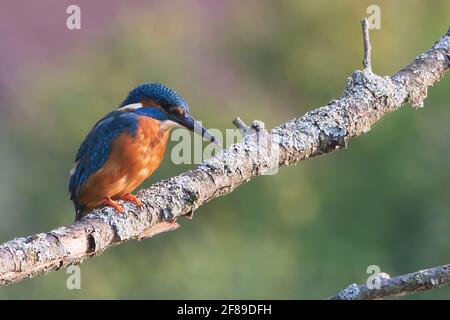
393, 287
366, 99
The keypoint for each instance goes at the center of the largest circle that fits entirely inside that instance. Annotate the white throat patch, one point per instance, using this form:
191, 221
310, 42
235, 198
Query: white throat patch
130, 107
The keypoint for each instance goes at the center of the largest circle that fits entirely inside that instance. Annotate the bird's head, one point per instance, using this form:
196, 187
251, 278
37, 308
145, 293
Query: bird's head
160, 102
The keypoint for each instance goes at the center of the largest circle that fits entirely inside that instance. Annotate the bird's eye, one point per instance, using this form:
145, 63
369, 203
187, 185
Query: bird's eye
177, 110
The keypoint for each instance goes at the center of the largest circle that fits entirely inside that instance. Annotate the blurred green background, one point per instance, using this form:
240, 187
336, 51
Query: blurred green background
306, 232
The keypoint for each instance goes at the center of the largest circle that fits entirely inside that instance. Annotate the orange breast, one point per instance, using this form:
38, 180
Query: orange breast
132, 160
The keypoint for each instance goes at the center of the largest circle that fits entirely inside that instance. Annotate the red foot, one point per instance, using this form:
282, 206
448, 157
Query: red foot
131, 198
111, 203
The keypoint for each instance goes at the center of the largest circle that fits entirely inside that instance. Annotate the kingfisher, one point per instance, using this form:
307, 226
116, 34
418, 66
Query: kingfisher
126, 146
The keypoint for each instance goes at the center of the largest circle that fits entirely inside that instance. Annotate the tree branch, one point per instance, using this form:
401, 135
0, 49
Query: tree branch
366, 99
367, 63
399, 286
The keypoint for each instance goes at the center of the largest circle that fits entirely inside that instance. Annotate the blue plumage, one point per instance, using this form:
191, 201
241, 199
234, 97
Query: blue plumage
154, 113
95, 149
157, 91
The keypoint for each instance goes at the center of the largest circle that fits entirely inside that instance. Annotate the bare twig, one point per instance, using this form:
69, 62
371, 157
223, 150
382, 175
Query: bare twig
367, 63
243, 128
366, 99
392, 287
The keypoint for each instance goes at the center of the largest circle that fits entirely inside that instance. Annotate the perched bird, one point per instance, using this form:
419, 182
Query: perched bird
126, 146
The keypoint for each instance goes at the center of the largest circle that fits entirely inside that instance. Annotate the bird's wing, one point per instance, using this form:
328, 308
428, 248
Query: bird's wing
96, 147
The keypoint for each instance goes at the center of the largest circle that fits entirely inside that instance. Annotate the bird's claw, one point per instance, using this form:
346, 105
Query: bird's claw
113, 204
132, 198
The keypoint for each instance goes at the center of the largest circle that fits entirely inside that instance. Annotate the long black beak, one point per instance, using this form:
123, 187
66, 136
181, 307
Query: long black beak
190, 123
